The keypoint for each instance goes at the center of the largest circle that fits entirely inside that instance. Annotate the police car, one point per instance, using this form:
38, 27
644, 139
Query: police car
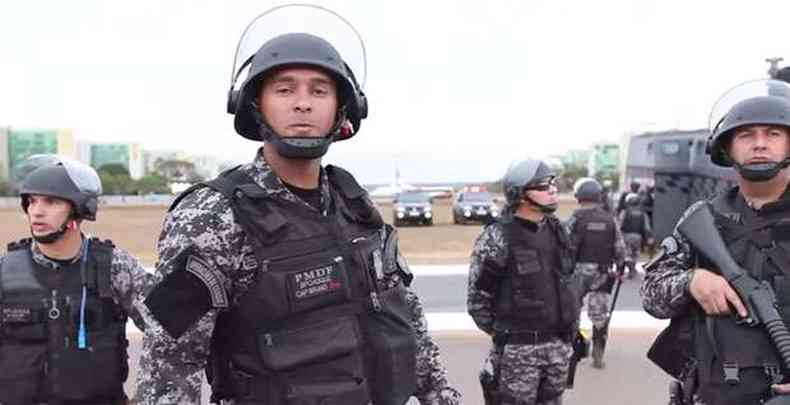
412, 207
474, 204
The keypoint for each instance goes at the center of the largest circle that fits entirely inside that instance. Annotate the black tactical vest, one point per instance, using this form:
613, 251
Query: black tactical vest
40, 360
736, 364
316, 327
633, 221
593, 237
536, 292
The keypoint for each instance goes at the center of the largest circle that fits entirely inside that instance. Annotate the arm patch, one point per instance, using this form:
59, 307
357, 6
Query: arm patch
186, 294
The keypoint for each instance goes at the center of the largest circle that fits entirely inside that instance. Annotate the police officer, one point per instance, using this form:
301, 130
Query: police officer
636, 230
732, 363
279, 277
606, 197
65, 296
598, 244
621, 204
522, 292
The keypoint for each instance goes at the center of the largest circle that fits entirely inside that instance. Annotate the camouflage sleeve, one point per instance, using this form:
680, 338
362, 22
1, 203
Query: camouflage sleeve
130, 283
201, 226
432, 385
665, 288
569, 224
488, 260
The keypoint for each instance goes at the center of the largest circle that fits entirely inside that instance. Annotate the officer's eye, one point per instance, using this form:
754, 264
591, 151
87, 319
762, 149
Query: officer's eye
283, 90
775, 133
320, 91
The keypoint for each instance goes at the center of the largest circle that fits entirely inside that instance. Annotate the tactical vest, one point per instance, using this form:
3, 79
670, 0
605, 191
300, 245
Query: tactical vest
40, 358
316, 327
736, 363
536, 292
594, 235
633, 221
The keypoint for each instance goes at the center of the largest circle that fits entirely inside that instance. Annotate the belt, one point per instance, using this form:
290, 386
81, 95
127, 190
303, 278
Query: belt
530, 337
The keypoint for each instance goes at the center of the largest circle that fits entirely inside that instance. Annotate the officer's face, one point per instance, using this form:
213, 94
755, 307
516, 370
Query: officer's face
299, 101
46, 214
544, 193
759, 144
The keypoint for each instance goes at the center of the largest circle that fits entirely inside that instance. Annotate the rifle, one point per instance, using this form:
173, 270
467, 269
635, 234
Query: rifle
581, 349
758, 297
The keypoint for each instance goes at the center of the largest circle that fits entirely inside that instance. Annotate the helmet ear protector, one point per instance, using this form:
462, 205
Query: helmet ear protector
356, 106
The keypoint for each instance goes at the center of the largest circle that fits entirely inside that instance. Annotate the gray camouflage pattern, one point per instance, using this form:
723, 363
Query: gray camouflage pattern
528, 374
591, 278
128, 278
665, 289
170, 370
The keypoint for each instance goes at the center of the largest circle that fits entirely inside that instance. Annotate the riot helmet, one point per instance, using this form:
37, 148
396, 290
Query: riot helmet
760, 102
634, 186
288, 44
523, 175
587, 189
632, 199
66, 179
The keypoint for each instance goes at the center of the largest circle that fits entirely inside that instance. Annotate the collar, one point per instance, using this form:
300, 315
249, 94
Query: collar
263, 175
782, 204
40, 258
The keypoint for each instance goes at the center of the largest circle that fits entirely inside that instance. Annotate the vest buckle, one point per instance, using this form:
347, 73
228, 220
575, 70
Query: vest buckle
731, 373
773, 372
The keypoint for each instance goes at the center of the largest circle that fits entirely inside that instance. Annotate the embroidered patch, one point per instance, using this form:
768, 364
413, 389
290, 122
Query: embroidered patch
17, 315
200, 269
311, 283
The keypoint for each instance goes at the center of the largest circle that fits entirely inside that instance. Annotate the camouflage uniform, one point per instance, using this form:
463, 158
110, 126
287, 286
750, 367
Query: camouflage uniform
591, 279
633, 244
203, 222
526, 372
129, 280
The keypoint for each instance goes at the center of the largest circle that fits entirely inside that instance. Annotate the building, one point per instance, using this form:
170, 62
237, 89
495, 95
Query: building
128, 155
20, 144
604, 160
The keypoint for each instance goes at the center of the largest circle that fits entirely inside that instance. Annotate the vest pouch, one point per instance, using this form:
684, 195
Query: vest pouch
96, 373
320, 363
392, 341
293, 348
749, 364
528, 269
22, 372
23, 323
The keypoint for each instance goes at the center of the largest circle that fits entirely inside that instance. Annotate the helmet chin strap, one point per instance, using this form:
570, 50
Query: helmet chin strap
52, 237
546, 209
759, 172
299, 147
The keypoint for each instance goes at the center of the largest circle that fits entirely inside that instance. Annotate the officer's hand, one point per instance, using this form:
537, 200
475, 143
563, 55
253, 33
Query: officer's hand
714, 293
783, 389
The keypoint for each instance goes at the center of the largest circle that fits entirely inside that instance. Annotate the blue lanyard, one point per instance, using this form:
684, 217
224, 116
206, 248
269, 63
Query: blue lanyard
82, 339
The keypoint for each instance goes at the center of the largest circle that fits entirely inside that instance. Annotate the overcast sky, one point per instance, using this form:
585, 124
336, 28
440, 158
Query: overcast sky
456, 88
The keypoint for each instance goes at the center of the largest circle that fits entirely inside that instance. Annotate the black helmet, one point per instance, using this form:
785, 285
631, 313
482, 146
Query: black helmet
520, 176
587, 189
765, 110
63, 178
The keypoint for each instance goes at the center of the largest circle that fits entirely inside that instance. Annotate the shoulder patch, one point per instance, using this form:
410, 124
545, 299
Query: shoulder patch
200, 269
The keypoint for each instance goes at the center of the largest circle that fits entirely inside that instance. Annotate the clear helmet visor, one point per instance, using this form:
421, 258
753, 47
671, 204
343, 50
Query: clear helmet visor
300, 18
83, 176
744, 91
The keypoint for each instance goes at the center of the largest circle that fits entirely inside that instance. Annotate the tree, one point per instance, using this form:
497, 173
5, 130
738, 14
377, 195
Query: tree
115, 180
177, 170
114, 169
6, 189
153, 184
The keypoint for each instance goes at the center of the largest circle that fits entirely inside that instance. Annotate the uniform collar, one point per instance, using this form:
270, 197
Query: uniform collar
263, 175
43, 260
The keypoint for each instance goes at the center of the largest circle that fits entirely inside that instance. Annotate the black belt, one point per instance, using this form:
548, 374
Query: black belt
529, 337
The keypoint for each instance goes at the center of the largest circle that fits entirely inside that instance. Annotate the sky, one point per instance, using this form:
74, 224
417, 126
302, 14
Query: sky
457, 89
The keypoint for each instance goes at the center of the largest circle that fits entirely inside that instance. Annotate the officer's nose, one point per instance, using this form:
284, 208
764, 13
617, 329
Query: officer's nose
303, 103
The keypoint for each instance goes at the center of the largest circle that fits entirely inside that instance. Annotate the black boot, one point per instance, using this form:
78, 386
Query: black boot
599, 345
